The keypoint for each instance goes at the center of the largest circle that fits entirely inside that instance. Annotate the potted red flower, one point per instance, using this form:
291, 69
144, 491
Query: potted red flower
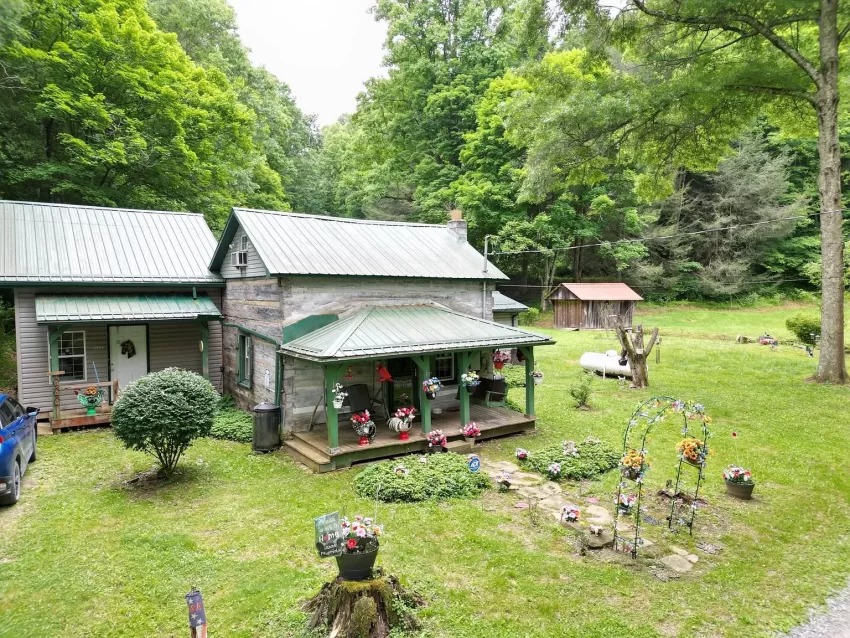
364, 426
470, 432
360, 549
436, 441
500, 359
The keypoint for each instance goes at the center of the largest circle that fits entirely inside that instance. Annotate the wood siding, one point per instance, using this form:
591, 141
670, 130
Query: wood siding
255, 267
171, 343
591, 315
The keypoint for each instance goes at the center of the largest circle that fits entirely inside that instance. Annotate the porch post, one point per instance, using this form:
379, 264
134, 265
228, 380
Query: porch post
53, 334
330, 411
205, 349
463, 364
424, 402
528, 352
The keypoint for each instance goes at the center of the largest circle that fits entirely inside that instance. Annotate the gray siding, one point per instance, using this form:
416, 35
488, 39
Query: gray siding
255, 267
171, 343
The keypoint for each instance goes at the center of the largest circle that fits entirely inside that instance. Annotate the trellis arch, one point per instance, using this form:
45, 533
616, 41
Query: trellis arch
640, 425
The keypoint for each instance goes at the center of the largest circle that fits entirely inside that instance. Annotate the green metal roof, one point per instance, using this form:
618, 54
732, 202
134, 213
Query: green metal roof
397, 330
503, 303
299, 244
102, 308
60, 243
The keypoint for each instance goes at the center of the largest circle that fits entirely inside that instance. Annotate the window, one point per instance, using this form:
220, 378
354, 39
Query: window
243, 242
72, 355
444, 367
246, 360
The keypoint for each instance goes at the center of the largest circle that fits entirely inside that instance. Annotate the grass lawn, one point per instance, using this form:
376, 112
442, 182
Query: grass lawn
87, 554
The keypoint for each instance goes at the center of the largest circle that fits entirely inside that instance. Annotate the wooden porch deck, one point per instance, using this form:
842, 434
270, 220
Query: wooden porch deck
311, 448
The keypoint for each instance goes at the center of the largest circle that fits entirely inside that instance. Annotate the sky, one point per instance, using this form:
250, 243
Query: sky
323, 49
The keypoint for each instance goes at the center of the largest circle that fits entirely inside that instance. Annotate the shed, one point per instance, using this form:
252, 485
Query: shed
593, 305
506, 310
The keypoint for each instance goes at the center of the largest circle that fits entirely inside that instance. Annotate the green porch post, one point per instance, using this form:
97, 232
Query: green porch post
424, 403
205, 349
463, 364
528, 352
331, 417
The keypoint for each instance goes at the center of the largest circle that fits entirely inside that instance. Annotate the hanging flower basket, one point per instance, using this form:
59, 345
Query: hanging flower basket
470, 380
500, 359
431, 387
90, 398
692, 451
339, 395
537, 377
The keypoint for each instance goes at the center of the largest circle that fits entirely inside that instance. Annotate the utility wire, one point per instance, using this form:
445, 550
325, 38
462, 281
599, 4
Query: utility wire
673, 236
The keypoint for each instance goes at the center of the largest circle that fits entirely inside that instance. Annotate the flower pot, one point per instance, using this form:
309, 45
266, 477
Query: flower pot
498, 365
90, 402
625, 509
338, 404
743, 491
471, 388
693, 463
364, 440
538, 380
356, 566
404, 436
469, 439
430, 395
434, 449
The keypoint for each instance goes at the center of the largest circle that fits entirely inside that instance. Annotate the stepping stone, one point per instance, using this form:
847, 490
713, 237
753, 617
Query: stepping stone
592, 500
524, 479
605, 539
598, 515
677, 563
679, 551
554, 503
692, 558
521, 505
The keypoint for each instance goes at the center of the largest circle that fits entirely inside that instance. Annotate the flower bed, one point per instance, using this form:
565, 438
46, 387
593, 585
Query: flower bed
593, 458
421, 478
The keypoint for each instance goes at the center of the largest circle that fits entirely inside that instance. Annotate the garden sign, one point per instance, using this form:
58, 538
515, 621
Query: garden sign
329, 539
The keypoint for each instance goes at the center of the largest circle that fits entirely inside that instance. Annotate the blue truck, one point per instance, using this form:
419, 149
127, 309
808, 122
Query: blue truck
17, 446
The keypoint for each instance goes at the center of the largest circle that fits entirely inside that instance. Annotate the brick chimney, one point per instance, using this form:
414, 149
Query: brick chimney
457, 224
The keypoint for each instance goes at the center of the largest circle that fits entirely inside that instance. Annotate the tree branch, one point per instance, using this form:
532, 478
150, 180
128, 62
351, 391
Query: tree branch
776, 90
843, 32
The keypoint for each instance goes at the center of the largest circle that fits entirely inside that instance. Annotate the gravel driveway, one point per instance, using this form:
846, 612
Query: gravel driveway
833, 622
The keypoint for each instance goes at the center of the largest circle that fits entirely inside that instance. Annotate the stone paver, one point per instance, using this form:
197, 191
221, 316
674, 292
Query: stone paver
677, 563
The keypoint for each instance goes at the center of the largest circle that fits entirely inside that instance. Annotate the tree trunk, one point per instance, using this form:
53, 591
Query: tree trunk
636, 352
831, 364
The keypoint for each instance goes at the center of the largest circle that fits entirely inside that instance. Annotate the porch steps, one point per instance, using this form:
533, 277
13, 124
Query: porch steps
308, 455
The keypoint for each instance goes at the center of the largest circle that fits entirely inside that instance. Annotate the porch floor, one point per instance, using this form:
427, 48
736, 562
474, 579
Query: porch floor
311, 448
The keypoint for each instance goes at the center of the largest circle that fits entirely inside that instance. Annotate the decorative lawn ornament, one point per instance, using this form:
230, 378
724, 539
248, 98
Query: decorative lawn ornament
364, 426
400, 423
521, 454
739, 482
570, 513
329, 539
536, 377
197, 614
90, 398
504, 481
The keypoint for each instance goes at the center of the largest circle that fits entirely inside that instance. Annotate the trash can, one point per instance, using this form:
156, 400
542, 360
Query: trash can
266, 427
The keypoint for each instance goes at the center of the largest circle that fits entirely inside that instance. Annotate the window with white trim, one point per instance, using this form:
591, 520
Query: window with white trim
72, 355
243, 242
444, 367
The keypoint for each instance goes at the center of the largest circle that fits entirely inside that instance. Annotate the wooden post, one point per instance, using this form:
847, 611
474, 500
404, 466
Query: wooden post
53, 335
331, 417
205, 349
421, 362
528, 353
463, 364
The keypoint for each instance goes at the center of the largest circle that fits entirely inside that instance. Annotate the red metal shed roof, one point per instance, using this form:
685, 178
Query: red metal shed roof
601, 292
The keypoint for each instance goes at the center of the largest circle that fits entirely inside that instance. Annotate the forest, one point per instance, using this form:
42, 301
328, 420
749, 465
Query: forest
585, 144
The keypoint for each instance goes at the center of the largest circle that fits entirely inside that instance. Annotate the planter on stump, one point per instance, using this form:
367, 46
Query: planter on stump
743, 491
357, 566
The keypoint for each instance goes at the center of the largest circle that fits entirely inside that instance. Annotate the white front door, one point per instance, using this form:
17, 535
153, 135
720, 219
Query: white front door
128, 353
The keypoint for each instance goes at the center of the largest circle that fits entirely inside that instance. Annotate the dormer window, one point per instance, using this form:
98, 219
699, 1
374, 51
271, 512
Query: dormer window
243, 242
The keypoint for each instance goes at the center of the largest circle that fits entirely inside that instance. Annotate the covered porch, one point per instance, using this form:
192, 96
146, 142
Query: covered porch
418, 335
100, 343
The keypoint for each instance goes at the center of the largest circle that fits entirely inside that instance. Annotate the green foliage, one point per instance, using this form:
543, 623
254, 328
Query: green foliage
529, 317
8, 366
594, 458
162, 413
233, 424
514, 376
441, 476
582, 389
803, 325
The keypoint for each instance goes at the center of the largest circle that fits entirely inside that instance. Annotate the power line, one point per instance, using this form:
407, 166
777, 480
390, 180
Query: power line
754, 281
673, 236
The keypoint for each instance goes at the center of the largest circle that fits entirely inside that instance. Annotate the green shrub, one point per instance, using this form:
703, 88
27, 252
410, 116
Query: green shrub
594, 458
162, 413
582, 388
804, 325
529, 317
440, 476
514, 376
233, 424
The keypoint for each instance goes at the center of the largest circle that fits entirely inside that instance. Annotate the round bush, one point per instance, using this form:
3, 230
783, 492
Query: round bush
163, 412
233, 424
803, 326
410, 479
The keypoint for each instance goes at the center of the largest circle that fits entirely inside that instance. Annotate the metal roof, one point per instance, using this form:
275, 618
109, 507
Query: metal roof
299, 244
601, 292
378, 331
502, 303
59, 243
98, 308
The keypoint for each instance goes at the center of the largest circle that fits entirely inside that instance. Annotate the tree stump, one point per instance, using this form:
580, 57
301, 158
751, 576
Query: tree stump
636, 353
363, 608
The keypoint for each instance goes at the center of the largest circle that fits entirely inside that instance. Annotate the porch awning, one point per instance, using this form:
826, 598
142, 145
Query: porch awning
103, 308
380, 331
